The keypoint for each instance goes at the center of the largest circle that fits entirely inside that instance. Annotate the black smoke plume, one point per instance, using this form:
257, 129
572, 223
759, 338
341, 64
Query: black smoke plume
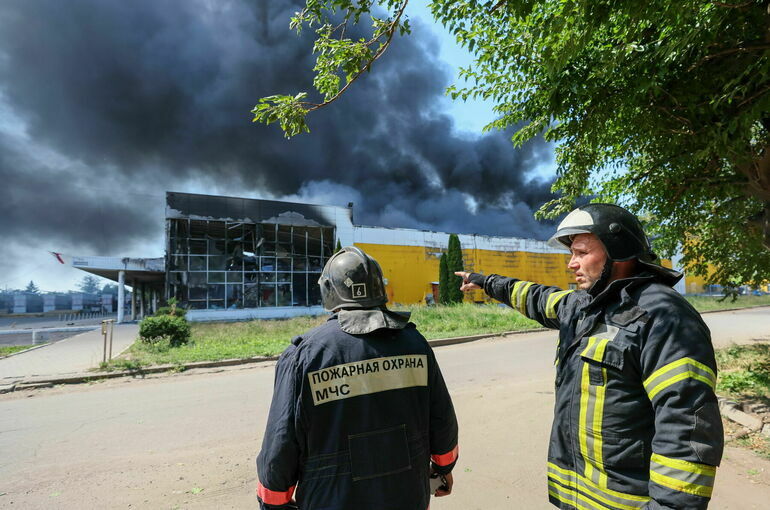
106, 104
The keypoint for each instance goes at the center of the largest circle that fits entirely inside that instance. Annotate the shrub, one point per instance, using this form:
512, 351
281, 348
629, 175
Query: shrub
171, 309
155, 329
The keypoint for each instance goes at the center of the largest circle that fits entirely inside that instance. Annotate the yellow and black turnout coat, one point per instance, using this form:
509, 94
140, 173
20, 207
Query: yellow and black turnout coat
636, 421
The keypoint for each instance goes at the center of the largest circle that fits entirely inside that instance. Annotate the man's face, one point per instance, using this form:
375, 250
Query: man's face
588, 258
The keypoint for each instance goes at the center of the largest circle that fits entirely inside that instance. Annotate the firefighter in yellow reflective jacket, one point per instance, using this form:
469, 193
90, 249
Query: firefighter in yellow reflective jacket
636, 421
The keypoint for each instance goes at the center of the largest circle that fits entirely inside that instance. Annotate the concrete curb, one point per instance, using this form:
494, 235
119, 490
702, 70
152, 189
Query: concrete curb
735, 309
77, 378
732, 412
27, 350
77, 330
45, 381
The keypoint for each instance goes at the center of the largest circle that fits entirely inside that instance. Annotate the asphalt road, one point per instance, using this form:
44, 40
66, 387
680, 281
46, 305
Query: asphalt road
189, 441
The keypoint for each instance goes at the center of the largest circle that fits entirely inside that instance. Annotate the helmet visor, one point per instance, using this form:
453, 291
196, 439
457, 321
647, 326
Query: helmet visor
561, 239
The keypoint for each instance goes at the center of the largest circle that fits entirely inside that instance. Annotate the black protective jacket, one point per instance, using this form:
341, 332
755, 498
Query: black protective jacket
636, 421
360, 410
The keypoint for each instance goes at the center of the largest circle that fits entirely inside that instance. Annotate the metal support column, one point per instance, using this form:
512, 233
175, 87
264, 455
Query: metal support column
141, 300
121, 295
133, 300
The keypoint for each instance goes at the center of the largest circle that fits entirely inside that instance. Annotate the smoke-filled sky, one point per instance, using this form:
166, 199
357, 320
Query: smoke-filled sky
106, 104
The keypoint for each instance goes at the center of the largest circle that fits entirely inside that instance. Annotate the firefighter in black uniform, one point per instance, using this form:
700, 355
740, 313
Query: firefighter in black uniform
636, 421
361, 417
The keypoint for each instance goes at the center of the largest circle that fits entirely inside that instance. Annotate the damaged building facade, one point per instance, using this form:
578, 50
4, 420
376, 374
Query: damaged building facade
233, 254
231, 258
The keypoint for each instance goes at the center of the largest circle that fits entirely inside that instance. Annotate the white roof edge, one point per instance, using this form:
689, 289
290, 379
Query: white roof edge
115, 263
438, 240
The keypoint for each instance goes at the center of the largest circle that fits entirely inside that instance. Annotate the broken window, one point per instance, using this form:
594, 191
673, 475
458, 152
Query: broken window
224, 264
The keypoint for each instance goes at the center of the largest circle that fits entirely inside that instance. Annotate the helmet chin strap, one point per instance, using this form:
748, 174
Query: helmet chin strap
604, 280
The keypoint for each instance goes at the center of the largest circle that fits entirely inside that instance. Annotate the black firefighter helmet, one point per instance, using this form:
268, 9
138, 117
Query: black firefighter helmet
620, 232
352, 279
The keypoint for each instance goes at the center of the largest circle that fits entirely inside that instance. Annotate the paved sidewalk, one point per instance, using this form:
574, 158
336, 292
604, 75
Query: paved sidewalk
74, 354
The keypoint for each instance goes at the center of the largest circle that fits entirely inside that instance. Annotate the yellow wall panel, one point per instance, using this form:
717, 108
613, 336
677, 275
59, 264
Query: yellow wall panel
410, 270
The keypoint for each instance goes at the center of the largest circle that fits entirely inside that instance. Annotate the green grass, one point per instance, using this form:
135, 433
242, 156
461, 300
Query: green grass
217, 341
744, 371
467, 319
228, 340
744, 376
706, 303
6, 350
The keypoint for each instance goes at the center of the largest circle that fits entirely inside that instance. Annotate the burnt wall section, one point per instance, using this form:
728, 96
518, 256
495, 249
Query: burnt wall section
250, 210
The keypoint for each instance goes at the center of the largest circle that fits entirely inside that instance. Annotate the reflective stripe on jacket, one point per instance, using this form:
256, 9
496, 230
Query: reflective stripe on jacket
636, 420
355, 422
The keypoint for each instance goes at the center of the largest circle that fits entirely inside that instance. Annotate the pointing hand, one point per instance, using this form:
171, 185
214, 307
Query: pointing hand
467, 286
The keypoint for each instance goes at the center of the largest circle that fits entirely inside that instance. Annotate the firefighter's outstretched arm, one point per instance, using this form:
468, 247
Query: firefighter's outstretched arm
537, 302
679, 374
278, 461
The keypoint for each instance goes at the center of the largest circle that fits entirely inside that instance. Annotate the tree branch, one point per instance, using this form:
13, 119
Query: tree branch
733, 6
497, 6
741, 49
390, 32
753, 97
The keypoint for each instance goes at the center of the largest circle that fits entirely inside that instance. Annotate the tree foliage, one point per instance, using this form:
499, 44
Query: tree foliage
338, 55
454, 262
89, 284
443, 281
31, 288
110, 288
663, 107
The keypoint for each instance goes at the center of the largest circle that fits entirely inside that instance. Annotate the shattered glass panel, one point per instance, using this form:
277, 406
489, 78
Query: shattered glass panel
250, 262
299, 241
299, 287
178, 263
234, 296
222, 263
217, 263
217, 292
196, 305
284, 295
216, 247
268, 264
266, 295
179, 245
216, 277
314, 264
314, 290
300, 263
251, 296
234, 255
198, 246
197, 263
328, 242
177, 277
197, 292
